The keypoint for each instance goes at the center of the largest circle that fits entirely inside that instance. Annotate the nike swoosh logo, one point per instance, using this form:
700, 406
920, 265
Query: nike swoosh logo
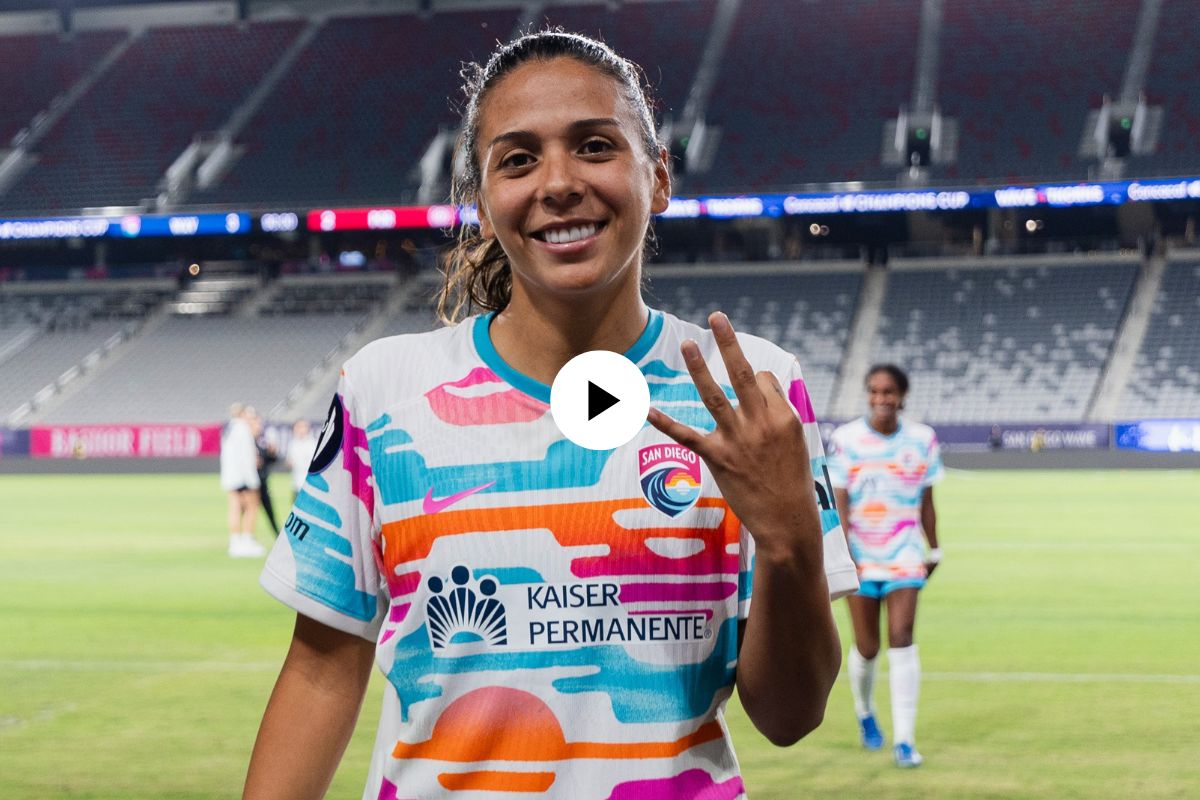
433, 505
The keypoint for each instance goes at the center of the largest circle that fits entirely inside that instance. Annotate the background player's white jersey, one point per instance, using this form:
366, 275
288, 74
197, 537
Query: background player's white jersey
550, 618
886, 477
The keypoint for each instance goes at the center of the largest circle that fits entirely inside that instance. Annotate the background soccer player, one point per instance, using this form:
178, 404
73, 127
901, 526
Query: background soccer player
883, 470
239, 479
441, 476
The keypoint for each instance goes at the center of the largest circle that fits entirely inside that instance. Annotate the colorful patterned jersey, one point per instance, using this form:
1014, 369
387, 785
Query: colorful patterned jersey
886, 477
550, 619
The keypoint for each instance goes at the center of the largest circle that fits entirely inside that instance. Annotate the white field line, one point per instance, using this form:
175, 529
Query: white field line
272, 666
97, 665
1057, 677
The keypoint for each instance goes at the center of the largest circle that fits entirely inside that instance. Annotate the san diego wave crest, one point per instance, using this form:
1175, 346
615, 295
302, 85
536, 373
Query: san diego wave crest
672, 502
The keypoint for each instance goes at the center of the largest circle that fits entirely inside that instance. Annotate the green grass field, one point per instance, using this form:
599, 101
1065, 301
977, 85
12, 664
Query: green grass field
1060, 642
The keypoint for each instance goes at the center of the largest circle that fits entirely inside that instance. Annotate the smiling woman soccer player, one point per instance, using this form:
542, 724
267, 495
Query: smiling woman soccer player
548, 622
884, 469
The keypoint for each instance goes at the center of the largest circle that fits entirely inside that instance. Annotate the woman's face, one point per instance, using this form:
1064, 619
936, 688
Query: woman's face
567, 187
884, 397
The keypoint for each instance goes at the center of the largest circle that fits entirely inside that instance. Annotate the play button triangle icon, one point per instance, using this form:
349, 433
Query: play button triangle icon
599, 401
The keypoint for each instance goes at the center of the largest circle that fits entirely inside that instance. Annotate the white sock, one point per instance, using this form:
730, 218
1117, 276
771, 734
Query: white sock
904, 672
862, 682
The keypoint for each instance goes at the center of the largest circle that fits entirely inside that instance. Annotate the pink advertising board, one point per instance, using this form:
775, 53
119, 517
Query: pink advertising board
124, 441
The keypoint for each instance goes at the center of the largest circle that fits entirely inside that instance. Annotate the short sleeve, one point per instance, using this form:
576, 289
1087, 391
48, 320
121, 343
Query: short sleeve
324, 563
840, 572
934, 471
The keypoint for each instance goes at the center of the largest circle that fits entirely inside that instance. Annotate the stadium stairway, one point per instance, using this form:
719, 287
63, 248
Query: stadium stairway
314, 390
12, 345
19, 160
847, 392
1114, 381
201, 166
1164, 382
58, 392
690, 120
1017, 339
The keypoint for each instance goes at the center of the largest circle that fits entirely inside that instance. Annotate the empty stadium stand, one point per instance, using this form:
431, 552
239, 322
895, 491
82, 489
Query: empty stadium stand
56, 61
807, 311
665, 39
1017, 339
173, 83
47, 357
296, 296
804, 92
255, 348
1011, 343
353, 116
801, 95
254, 361
1166, 375
1171, 83
1020, 78
47, 334
410, 310
50, 307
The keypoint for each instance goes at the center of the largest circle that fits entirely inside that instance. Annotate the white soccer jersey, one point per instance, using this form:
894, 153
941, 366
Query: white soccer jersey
886, 478
239, 457
551, 619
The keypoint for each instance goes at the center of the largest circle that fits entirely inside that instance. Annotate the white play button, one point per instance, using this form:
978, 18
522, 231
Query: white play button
599, 400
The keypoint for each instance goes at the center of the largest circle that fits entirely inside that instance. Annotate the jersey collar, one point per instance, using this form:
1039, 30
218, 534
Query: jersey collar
887, 436
482, 338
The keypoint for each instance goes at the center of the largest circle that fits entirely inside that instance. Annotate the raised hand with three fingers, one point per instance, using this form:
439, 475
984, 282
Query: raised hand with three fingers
789, 652
757, 453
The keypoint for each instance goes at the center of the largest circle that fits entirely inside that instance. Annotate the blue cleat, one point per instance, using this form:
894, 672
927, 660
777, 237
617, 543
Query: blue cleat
906, 756
872, 738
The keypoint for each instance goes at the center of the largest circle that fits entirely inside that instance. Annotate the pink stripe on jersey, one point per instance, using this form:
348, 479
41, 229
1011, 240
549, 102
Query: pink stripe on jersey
668, 592
497, 408
354, 465
694, 783
798, 394
401, 585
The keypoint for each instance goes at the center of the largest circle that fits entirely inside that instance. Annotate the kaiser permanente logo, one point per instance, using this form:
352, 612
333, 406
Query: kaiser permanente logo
467, 615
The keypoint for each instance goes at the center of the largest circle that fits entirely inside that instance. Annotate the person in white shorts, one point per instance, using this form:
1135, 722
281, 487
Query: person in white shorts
239, 479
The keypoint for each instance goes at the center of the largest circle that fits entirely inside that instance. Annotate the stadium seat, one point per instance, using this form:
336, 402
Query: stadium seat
352, 117
1165, 381
1171, 83
808, 313
804, 91
1003, 344
112, 149
1020, 81
36, 68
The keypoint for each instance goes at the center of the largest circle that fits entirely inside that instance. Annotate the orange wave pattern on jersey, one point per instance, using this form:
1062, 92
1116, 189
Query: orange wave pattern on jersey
502, 724
874, 511
913, 475
496, 781
573, 525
